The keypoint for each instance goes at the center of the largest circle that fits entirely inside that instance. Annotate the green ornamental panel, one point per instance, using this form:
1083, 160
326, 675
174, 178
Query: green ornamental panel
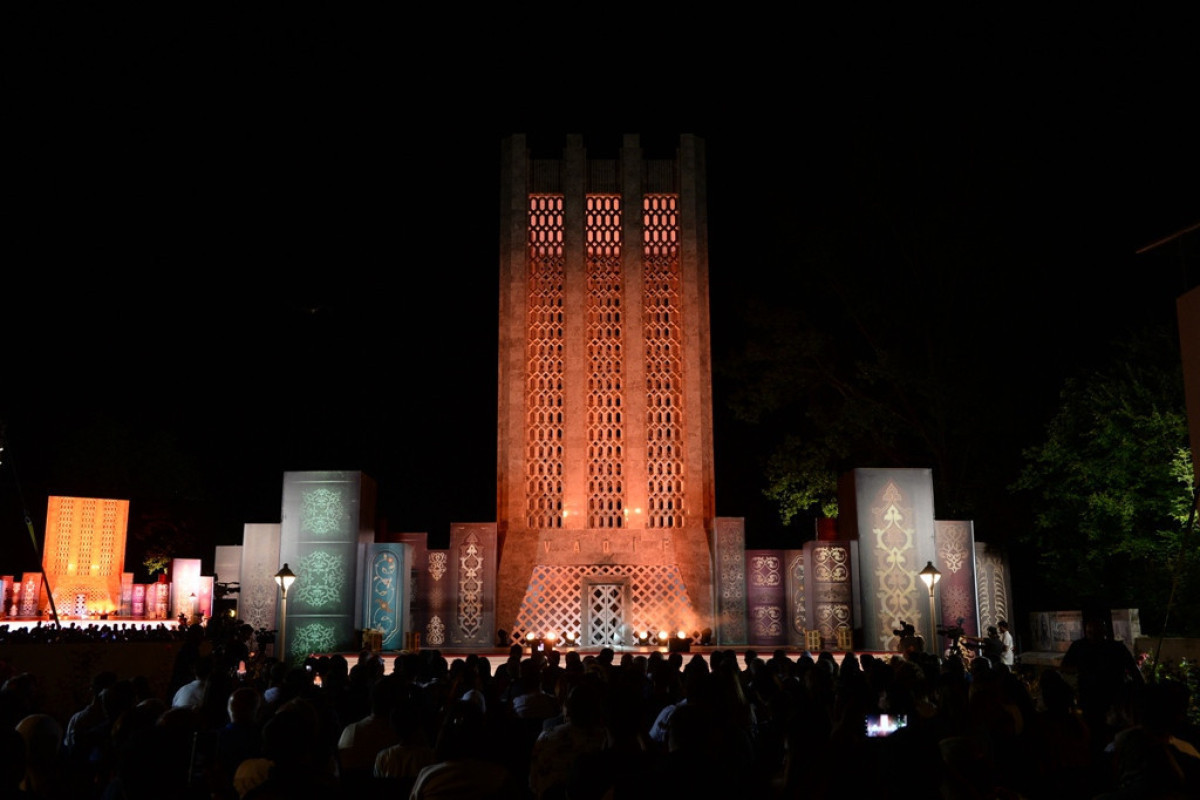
321, 523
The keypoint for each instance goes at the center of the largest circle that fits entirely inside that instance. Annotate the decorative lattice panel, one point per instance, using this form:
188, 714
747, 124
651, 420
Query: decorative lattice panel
546, 363
62, 534
111, 562
664, 369
606, 490
87, 535
554, 598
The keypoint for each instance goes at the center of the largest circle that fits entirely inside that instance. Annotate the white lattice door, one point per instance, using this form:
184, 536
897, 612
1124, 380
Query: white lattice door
605, 613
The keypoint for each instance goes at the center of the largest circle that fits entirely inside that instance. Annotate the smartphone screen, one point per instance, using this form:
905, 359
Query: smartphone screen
884, 724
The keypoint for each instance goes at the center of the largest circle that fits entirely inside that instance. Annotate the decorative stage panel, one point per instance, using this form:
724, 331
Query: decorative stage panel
956, 561
322, 516
729, 549
472, 563
766, 598
258, 594
185, 587
890, 512
992, 585
830, 591
419, 583
797, 602
385, 609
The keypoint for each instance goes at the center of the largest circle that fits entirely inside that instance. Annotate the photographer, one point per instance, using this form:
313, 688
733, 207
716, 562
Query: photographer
990, 647
911, 642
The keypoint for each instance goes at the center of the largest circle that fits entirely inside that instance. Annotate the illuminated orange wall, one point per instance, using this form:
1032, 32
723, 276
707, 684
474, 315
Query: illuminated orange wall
605, 459
85, 552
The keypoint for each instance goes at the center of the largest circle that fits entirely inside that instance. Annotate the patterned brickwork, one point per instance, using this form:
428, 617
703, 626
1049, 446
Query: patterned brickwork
664, 371
546, 363
605, 429
85, 553
657, 598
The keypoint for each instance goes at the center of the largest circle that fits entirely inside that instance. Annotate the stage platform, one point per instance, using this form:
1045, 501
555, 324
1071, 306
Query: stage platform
495, 656
17, 623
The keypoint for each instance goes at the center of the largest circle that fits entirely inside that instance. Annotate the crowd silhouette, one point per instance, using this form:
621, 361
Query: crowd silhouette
605, 725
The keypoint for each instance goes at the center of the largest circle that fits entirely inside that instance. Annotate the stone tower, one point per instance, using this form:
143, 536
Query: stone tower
605, 496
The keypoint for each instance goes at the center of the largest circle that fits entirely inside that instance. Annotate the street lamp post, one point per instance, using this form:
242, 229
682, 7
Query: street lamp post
283, 579
931, 576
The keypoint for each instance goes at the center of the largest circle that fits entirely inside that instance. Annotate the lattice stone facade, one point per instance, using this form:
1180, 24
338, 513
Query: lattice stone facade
605, 458
84, 554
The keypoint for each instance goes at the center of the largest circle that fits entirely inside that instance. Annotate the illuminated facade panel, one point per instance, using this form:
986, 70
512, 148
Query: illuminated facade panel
605, 396
258, 594
546, 353
84, 553
386, 599
326, 515
664, 366
604, 446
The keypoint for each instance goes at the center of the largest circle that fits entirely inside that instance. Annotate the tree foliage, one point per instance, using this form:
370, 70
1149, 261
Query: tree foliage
1111, 487
833, 403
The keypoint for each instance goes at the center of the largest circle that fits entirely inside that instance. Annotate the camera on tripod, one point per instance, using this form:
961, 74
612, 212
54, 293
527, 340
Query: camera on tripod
952, 632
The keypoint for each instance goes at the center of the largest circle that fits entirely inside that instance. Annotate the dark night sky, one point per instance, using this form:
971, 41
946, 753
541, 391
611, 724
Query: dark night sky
239, 247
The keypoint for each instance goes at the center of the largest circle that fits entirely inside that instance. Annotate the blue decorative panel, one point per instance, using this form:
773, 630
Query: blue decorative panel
385, 593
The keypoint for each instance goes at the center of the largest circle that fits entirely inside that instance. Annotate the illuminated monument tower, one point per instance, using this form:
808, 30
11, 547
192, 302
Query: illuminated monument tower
84, 554
605, 496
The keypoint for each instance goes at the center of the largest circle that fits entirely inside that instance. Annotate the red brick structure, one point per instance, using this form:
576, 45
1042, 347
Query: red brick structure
605, 446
